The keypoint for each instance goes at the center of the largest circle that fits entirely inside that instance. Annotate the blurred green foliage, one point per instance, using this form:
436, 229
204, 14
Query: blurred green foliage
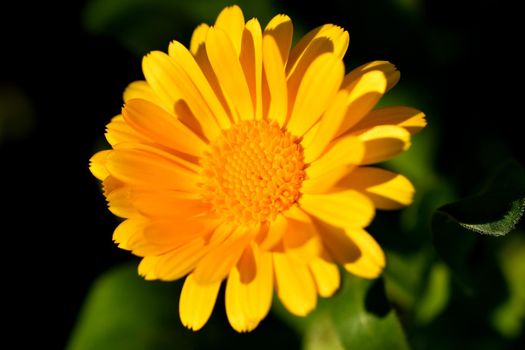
145, 25
123, 311
446, 288
17, 117
358, 317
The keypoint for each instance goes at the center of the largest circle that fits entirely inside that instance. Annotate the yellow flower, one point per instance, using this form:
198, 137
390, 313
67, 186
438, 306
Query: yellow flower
243, 159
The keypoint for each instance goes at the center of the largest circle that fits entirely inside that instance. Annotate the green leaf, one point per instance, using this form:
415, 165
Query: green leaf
495, 211
357, 317
123, 311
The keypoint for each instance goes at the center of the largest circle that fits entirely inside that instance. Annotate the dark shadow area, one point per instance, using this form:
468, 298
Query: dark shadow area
375, 301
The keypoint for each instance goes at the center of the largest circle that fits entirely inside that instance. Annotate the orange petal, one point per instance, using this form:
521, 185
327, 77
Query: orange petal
140, 89
154, 122
177, 232
118, 131
181, 260
170, 82
97, 164
218, 263
150, 170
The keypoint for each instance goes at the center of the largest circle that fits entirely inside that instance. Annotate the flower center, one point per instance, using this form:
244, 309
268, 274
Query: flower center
253, 172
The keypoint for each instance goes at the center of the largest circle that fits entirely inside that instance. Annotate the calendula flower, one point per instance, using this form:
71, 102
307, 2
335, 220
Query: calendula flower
245, 160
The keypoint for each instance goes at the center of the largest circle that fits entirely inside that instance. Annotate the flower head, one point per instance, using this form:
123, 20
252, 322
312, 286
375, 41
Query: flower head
245, 160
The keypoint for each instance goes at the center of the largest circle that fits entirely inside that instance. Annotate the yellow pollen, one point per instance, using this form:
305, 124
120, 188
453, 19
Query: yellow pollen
253, 172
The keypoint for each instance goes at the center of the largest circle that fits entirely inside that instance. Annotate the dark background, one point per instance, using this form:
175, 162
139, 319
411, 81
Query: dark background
65, 80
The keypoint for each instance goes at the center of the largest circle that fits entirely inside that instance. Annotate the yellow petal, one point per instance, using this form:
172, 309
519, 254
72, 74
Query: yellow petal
316, 91
141, 90
274, 72
295, 285
371, 261
118, 131
97, 164
322, 40
326, 181
389, 70
386, 189
183, 58
149, 170
384, 142
170, 81
275, 233
409, 118
201, 57
251, 62
280, 28
228, 69
342, 209
127, 229
296, 213
328, 127
260, 289
326, 276
146, 267
326, 38
231, 21
130, 236
348, 150
339, 246
308, 137
198, 38
364, 93
353, 248
301, 240
248, 303
120, 204
181, 260
154, 122
220, 260
196, 302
